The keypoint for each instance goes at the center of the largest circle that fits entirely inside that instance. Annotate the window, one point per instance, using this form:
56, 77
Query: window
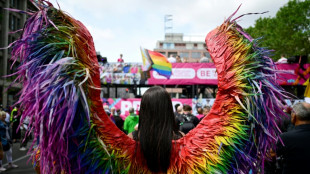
168, 45
18, 24
180, 44
196, 55
206, 54
184, 54
172, 53
163, 53
13, 22
12, 3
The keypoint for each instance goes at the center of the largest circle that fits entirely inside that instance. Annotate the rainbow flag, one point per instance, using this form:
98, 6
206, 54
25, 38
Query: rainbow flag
156, 61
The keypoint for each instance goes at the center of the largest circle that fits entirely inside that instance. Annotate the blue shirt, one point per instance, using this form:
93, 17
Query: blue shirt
3, 133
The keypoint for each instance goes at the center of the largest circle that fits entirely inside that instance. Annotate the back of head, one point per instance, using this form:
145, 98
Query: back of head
206, 110
113, 109
156, 128
118, 111
302, 111
180, 109
2, 115
131, 110
187, 108
176, 106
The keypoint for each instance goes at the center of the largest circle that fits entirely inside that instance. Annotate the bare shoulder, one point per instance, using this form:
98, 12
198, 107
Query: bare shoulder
130, 135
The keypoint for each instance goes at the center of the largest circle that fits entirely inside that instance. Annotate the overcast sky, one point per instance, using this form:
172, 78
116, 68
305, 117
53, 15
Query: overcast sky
123, 26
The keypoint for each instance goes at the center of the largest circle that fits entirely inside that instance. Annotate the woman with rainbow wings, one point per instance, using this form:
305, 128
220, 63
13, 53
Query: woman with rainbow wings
61, 92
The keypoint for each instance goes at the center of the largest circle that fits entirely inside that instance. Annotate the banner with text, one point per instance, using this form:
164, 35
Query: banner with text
125, 104
205, 73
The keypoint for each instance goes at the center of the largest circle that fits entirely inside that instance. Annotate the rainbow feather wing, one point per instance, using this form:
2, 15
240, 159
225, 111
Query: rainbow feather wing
61, 93
241, 127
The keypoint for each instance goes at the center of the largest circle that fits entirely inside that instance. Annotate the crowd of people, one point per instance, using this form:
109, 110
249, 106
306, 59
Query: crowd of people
184, 117
157, 116
177, 59
12, 131
290, 155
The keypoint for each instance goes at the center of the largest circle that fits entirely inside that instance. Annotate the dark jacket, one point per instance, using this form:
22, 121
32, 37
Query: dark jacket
295, 153
186, 122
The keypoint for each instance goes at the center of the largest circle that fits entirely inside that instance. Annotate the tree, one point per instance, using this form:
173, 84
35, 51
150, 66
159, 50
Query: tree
288, 32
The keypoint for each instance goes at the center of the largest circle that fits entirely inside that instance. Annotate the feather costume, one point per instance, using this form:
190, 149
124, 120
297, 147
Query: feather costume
61, 94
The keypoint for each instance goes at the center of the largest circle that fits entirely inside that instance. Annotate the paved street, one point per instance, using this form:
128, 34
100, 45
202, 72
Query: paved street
21, 159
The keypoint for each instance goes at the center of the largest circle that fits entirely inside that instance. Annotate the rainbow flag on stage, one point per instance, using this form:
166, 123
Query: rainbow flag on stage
156, 61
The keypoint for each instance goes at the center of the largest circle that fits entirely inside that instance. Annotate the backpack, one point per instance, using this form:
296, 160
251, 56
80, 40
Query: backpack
186, 123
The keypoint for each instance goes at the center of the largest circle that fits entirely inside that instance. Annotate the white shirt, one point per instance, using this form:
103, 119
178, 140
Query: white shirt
172, 60
7, 117
282, 60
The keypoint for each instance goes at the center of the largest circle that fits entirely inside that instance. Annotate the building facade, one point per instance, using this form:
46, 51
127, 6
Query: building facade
9, 23
174, 44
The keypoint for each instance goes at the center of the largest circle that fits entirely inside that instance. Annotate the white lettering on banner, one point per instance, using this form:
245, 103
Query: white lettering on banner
178, 73
136, 105
125, 105
207, 73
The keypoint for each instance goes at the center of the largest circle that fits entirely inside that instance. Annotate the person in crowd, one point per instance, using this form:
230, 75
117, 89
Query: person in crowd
119, 122
107, 110
275, 165
205, 111
120, 59
6, 142
179, 111
24, 137
171, 59
204, 60
185, 60
200, 113
8, 116
157, 128
131, 121
176, 108
295, 152
187, 121
282, 59
15, 120
112, 114
178, 59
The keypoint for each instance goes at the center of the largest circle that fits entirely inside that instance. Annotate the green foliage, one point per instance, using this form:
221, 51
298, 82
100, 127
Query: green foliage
288, 32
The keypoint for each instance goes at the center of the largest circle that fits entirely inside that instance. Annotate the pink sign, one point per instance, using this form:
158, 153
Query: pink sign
125, 104
293, 74
205, 73
187, 74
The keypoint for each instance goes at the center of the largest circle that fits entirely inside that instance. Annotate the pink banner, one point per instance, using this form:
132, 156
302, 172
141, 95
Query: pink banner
205, 73
293, 74
125, 104
187, 74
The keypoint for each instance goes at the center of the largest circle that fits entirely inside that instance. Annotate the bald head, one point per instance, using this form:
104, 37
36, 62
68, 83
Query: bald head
302, 111
180, 109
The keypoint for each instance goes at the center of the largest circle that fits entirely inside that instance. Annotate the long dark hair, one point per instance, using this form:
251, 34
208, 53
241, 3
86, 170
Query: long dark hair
157, 128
